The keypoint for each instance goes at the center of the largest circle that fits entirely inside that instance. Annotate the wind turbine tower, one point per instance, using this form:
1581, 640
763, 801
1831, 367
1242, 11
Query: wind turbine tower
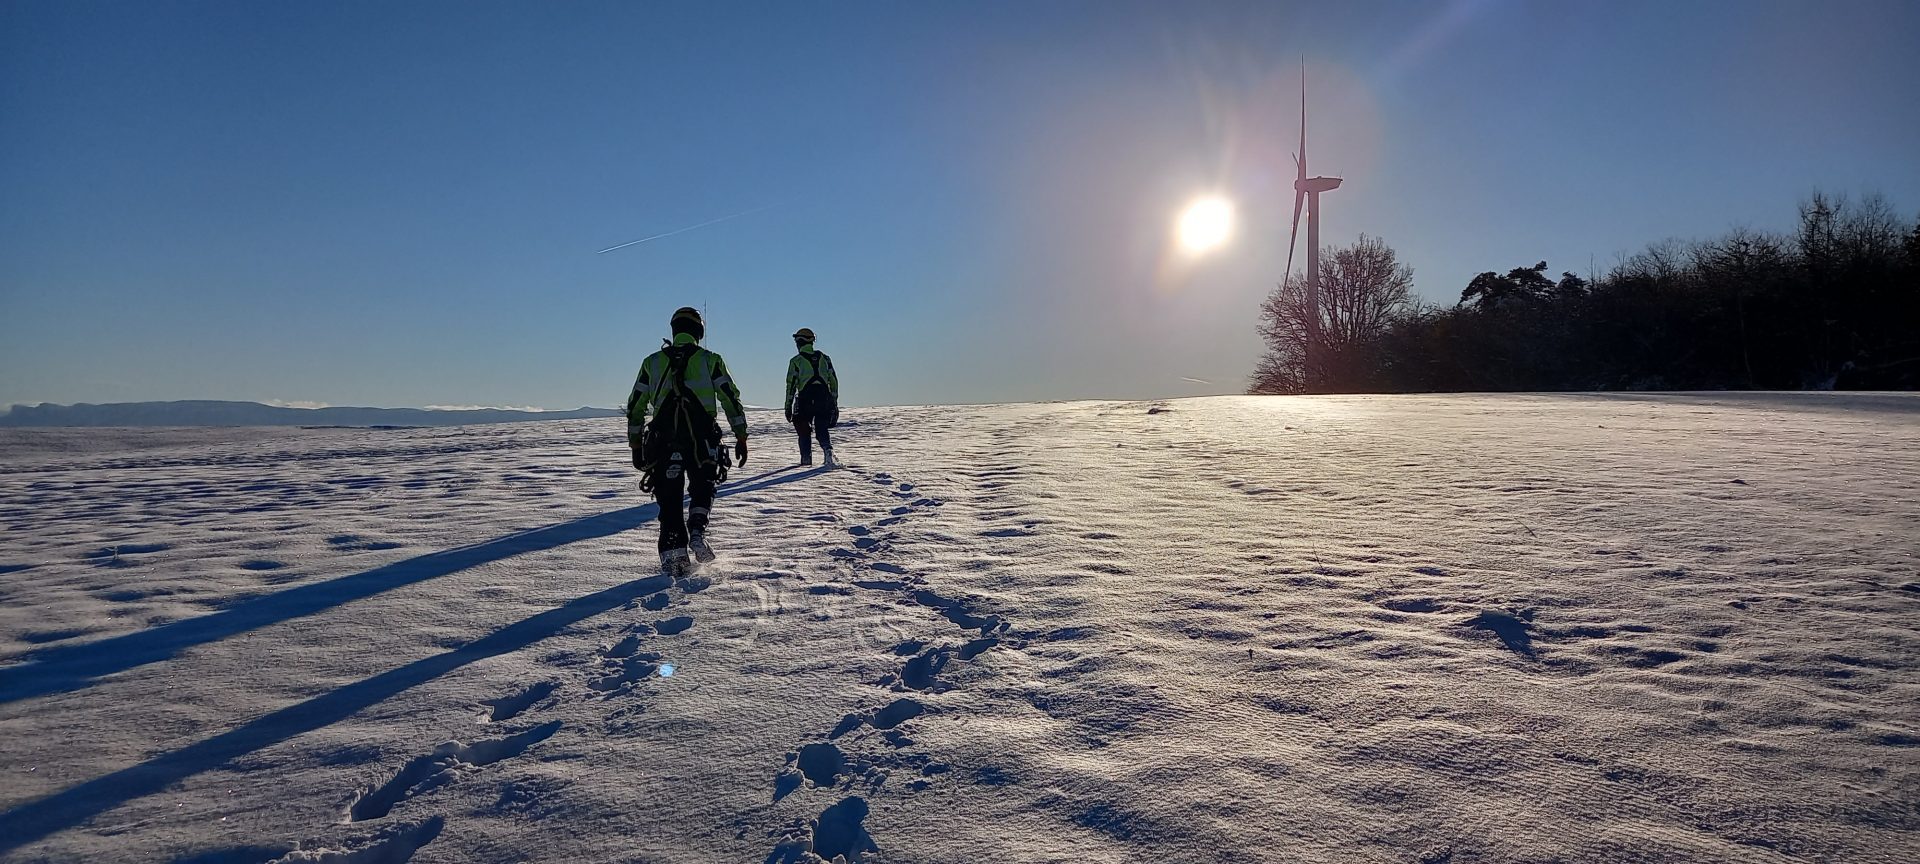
1306, 191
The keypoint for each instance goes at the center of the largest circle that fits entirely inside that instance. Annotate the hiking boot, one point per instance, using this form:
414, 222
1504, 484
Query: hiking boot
676, 563
827, 457
698, 543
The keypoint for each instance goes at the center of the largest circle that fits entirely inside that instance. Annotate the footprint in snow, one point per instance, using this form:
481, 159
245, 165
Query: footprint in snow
693, 584
631, 644
976, 647
919, 672
41, 637
509, 707
956, 612
1418, 604
426, 773
895, 713
819, 764
392, 846
839, 830
674, 626
1514, 631
846, 724
784, 783
237, 855
634, 669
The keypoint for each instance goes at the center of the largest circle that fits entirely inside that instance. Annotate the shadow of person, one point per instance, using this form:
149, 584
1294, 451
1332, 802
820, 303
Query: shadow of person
63, 669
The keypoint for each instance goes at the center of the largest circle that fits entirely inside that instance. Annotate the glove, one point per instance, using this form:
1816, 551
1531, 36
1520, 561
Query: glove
740, 451
639, 459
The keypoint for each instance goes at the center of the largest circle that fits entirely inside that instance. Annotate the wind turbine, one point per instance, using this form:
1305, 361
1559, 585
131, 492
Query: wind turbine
1306, 190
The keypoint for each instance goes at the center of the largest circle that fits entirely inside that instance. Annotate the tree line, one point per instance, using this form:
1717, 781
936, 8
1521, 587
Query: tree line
1835, 304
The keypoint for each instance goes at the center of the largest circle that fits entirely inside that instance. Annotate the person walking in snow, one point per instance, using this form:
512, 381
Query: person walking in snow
681, 387
813, 397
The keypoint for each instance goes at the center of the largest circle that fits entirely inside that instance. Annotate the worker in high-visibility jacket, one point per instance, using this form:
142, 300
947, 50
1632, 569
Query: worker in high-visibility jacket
813, 397
674, 433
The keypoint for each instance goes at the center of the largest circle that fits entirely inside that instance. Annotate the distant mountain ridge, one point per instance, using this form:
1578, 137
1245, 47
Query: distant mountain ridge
202, 412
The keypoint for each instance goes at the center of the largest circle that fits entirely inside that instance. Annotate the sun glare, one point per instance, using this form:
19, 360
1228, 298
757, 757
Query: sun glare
1206, 225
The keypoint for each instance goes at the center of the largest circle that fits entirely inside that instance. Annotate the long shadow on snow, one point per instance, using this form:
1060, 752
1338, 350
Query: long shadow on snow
61, 810
65, 669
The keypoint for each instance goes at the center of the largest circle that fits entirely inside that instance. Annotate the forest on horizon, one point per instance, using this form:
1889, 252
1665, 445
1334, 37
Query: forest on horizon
1833, 304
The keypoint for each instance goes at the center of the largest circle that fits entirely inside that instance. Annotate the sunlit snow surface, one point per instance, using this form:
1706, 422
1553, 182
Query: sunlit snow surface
1394, 629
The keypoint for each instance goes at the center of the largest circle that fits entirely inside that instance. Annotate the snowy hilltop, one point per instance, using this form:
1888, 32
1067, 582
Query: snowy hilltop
1519, 628
204, 412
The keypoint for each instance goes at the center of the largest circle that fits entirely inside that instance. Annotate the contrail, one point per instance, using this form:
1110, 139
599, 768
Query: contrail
688, 228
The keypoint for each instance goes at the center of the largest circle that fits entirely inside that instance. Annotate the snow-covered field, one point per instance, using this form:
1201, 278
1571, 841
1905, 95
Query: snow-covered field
1393, 629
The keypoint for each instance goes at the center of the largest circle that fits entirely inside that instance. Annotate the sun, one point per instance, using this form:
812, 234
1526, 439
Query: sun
1206, 225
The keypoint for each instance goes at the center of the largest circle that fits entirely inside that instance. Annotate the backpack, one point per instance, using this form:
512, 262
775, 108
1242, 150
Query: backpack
823, 395
682, 434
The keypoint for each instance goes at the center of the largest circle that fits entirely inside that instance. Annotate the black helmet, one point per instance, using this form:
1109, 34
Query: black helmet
687, 319
804, 335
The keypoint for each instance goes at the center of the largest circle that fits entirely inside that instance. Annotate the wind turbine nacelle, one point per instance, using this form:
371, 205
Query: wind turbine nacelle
1317, 184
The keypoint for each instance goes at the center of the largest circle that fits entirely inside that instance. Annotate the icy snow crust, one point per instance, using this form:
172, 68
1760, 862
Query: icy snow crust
1395, 629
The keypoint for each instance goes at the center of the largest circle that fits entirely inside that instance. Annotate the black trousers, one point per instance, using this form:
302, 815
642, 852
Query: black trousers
813, 418
674, 524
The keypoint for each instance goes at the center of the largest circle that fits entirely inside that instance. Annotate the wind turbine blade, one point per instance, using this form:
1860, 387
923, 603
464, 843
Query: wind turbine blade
1303, 123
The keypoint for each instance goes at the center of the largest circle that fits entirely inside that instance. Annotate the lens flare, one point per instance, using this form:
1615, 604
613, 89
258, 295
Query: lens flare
1206, 225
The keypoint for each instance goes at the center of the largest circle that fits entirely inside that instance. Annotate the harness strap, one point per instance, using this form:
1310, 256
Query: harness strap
813, 359
687, 422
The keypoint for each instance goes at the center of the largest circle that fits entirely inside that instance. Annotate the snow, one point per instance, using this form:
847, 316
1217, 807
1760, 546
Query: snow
1615, 627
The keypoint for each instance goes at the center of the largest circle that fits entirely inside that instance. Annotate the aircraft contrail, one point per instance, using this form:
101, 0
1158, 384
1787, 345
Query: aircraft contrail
688, 228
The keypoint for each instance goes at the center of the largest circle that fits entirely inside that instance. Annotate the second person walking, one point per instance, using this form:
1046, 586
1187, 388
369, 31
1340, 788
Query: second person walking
813, 397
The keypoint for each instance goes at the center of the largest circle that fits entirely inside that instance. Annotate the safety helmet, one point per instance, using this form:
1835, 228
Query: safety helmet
687, 319
804, 334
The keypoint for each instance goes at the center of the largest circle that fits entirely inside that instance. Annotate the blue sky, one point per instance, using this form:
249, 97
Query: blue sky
400, 203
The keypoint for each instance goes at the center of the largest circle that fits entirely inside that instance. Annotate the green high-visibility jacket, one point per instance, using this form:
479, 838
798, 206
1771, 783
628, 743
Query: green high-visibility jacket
706, 376
800, 371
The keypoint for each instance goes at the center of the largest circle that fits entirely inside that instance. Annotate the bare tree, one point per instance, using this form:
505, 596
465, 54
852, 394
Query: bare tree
1363, 288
